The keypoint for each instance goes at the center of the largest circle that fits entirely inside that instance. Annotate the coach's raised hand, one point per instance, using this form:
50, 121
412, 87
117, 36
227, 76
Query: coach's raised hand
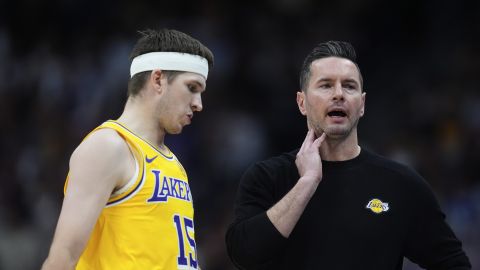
284, 215
308, 159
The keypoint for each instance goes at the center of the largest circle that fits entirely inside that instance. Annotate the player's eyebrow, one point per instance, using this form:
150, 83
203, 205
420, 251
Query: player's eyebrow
197, 83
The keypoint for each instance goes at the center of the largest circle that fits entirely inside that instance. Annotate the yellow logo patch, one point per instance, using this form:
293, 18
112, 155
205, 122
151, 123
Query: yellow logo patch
377, 206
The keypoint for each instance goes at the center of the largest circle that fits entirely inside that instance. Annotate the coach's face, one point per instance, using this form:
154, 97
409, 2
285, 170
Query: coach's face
333, 101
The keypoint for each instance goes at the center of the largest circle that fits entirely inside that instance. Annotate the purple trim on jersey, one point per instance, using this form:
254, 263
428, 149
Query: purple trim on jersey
167, 157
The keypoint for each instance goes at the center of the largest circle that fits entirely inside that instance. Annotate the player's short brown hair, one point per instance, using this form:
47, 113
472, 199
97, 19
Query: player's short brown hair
164, 40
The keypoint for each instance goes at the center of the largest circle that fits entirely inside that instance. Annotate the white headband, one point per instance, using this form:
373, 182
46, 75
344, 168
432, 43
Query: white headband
169, 61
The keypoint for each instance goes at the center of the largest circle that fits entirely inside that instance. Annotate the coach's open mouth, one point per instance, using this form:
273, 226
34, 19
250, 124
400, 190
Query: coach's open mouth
337, 112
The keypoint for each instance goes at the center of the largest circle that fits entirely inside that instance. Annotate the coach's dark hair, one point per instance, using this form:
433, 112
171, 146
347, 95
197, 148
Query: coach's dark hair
164, 40
340, 49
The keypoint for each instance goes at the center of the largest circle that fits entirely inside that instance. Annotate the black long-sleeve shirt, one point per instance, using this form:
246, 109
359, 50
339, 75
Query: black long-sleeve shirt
367, 213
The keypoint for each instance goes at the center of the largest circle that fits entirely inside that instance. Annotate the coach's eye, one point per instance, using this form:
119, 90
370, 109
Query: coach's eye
350, 87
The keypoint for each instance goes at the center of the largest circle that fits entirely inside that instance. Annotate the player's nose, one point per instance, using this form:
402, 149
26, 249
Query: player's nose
197, 103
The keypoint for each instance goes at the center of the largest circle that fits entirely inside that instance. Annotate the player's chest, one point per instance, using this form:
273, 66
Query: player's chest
166, 187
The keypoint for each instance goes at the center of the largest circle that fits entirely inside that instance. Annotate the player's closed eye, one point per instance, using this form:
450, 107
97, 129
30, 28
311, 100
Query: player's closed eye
192, 88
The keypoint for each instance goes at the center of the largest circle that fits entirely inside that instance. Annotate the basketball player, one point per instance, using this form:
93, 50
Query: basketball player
128, 204
332, 204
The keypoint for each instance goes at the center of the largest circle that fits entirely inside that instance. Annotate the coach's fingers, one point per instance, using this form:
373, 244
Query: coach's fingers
310, 137
304, 144
318, 142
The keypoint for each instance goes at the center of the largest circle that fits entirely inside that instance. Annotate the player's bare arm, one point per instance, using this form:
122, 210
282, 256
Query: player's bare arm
285, 214
101, 164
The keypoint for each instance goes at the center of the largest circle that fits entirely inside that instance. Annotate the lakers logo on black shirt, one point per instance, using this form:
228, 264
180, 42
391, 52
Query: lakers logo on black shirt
377, 206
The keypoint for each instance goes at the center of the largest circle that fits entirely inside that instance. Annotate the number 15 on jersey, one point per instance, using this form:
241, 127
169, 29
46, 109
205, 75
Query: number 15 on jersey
185, 230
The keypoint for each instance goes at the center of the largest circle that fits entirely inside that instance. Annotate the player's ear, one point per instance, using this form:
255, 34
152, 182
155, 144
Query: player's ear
301, 102
158, 80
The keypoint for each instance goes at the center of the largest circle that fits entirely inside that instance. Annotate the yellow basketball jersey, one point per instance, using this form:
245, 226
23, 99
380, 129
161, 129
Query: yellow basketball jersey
148, 224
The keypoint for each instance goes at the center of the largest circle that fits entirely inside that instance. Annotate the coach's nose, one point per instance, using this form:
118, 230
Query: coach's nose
338, 92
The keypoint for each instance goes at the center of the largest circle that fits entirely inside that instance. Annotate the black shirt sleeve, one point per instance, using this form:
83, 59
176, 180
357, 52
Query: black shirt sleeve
431, 242
252, 240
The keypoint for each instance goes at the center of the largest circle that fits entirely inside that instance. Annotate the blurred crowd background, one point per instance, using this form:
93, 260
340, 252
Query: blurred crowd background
64, 70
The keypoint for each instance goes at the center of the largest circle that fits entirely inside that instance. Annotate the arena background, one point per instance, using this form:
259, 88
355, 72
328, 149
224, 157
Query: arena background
64, 70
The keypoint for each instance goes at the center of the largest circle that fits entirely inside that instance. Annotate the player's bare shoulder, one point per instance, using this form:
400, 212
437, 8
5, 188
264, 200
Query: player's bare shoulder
103, 154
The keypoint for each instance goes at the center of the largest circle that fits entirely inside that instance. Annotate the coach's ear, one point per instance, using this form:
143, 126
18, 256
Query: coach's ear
362, 110
158, 81
301, 102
